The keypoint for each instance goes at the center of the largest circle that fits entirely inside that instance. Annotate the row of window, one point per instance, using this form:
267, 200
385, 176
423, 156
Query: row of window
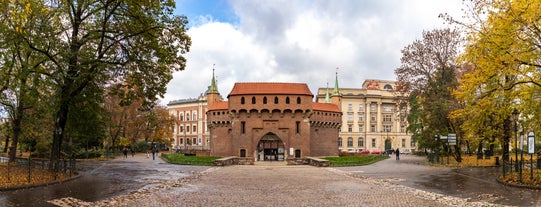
373, 116
190, 141
373, 107
181, 116
265, 100
373, 128
360, 142
181, 128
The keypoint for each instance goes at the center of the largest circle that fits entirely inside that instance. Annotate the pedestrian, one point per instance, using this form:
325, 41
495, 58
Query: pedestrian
132, 152
397, 152
148, 153
153, 152
125, 152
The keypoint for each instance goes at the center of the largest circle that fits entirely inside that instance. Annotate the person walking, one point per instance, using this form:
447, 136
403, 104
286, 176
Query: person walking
132, 152
125, 152
397, 152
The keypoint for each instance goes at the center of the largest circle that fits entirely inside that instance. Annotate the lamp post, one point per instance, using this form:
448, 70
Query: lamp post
436, 138
515, 114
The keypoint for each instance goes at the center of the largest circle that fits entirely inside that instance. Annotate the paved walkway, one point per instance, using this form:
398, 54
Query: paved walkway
278, 185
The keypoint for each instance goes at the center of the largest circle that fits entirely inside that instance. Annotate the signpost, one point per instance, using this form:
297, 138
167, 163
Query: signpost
451, 139
531, 150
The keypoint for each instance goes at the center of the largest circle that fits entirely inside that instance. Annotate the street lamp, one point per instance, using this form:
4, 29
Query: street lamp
515, 114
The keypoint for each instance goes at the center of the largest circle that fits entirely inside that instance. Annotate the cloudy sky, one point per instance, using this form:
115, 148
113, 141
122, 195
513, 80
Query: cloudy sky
300, 41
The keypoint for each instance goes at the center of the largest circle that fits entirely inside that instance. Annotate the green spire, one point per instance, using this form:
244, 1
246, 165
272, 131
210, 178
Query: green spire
327, 99
213, 86
336, 92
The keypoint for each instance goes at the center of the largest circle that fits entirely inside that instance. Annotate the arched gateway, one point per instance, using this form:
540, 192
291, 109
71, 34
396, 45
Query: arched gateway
270, 148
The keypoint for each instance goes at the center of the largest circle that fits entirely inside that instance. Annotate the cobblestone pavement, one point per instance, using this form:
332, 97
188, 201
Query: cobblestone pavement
277, 185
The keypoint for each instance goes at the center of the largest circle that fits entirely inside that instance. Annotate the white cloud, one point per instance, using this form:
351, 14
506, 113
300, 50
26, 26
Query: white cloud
304, 41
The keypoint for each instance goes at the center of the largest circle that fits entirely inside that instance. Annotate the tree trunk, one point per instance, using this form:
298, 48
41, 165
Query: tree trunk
59, 125
6, 144
16, 127
506, 137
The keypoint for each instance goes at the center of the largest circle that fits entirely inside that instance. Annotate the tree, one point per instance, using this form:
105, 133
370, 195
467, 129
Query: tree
427, 75
503, 53
120, 43
22, 68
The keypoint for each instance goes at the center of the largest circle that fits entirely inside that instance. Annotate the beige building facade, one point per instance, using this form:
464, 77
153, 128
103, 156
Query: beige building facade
374, 118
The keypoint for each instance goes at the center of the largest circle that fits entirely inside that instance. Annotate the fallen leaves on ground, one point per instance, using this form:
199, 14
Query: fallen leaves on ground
17, 176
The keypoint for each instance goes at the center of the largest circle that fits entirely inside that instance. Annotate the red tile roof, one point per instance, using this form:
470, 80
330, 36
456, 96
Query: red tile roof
325, 107
270, 88
221, 105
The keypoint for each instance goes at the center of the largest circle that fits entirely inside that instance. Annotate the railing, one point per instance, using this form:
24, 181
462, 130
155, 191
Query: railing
24, 171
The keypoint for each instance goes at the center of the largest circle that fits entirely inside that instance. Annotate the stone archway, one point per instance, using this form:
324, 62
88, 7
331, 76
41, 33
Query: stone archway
270, 148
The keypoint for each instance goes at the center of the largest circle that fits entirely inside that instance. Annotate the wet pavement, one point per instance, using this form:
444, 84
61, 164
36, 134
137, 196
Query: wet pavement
474, 184
101, 180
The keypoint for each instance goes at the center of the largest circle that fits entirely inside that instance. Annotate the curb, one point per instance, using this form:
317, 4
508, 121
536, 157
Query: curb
10, 188
517, 185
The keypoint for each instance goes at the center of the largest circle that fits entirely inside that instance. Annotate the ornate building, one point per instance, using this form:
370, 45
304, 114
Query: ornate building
374, 118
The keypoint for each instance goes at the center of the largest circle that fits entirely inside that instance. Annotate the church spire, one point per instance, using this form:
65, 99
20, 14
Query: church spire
336, 91
327, 98
213, 86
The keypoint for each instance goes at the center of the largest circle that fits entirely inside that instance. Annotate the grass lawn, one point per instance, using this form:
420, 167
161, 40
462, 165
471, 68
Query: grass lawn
355, 160
189, 160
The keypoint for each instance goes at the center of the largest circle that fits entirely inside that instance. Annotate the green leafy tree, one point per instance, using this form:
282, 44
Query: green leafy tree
127, 44
428, 75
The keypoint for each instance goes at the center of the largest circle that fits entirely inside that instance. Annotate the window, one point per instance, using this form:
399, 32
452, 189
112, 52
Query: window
350, 116
350, 142
253, 100
412, 143
242, 101
187, 116
387, 128
350, 107
387, 117
187, 128
181, 117
180, 128
373, 107
373, 143
361, 107
373, 128
194, 128
194, 141
199, 141
387, 87
275, 100
403, 128
194, 116
372, 117
339, 141
388, 108
361, 116
360, 142
242, 152
350, 128
287, 100
298, 100
361, 128
243, 127
297, 127
265, 100
403, 142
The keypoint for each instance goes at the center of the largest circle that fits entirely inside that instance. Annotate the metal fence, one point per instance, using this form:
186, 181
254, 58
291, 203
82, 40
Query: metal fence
25, 171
